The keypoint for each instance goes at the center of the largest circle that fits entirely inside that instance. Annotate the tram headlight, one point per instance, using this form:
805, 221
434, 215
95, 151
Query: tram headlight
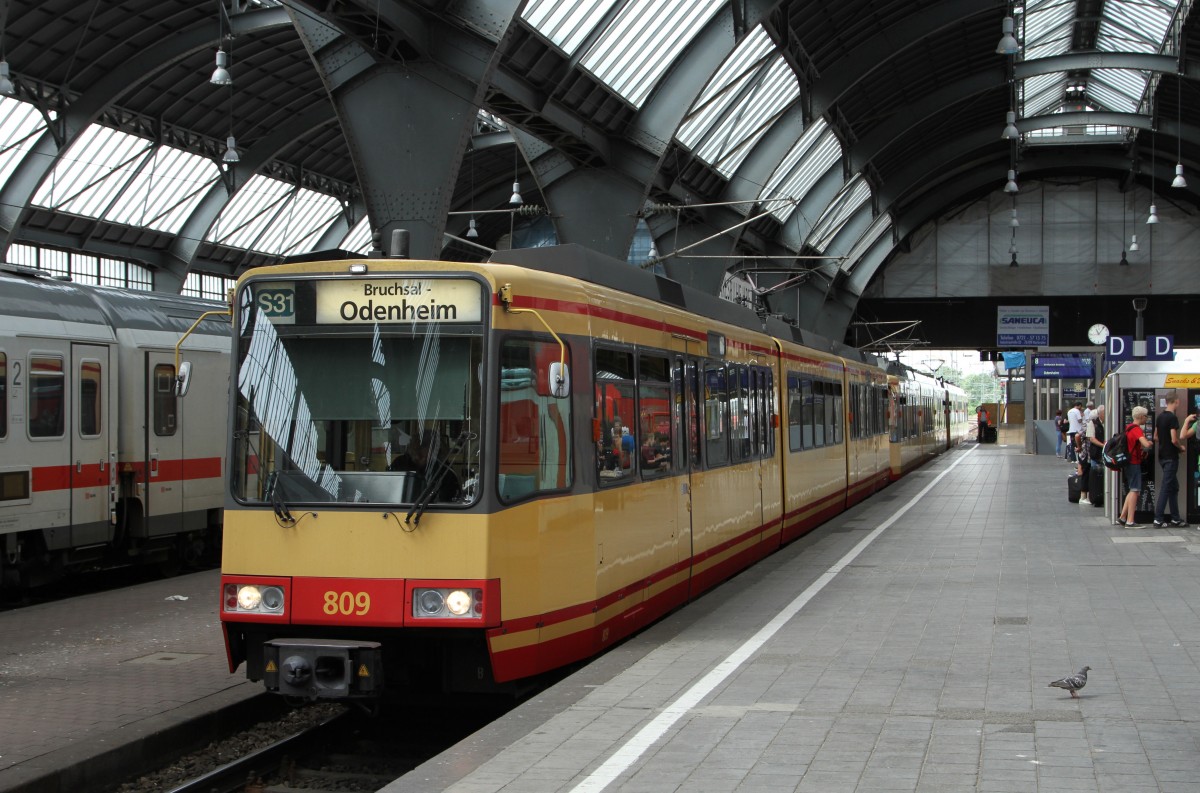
452, 603
458, 603
430, 602
253, 598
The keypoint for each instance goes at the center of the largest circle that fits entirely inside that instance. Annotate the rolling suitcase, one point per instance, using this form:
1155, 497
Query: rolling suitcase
1096, 484
1073, 488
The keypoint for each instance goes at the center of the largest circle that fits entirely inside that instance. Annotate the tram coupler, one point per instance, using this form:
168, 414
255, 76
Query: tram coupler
323, 668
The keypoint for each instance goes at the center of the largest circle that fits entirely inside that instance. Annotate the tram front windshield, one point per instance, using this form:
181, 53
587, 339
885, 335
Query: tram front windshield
331, 407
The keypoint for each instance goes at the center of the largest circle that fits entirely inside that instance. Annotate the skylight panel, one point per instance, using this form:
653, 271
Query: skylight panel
566, 23
1119, 90
248, 214
93, 172
810, 159
1044, 93
849, 201
1048, 27
301, 223
643, 41
743, 66
165, 191
1135, 25
748, 92
274, 217
879, 226
20, 126
359, 238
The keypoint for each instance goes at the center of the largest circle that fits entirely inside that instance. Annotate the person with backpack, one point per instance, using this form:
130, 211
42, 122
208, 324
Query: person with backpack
1136, 440
1060, 426
1166, 435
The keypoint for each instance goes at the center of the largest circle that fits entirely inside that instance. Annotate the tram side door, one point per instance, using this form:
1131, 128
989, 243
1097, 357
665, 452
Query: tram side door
90, 386
685, 419
164, 462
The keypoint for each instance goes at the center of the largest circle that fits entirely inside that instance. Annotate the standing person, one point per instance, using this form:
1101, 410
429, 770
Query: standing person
1166, 437
981, 422
1093, 438
1074, 425
1136, 440
1059, 424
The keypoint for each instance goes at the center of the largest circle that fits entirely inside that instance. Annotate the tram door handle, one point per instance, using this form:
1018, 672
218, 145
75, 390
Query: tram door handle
154, 464
78, 467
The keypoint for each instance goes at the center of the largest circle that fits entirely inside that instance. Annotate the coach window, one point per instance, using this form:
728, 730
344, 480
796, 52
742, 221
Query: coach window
795, 413
739, 412
616, 414
654, 416
46, 393
89, 399
534, 432
164, 399
3, 395
716, 416
766, 382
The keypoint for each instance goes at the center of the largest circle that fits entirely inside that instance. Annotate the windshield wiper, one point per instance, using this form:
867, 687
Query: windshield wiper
435, 482
282, 513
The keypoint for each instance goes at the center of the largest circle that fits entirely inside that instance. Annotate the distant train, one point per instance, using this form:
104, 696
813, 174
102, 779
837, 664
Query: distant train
460, 475
101, 465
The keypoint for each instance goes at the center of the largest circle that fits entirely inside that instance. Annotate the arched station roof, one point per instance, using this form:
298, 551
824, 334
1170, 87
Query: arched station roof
797, 142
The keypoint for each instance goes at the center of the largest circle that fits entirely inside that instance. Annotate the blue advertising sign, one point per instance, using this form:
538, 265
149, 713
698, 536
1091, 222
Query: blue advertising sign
1059, 367
1022, 326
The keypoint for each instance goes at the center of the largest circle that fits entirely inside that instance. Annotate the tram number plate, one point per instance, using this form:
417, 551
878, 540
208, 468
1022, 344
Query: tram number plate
348, 601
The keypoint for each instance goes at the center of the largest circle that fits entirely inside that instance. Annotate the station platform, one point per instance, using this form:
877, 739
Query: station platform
906, 645
91, 685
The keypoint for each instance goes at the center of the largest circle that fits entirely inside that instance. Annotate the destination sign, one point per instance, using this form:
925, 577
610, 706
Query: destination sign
398, 300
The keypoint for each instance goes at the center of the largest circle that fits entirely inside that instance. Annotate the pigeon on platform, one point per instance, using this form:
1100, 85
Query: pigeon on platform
1073, 683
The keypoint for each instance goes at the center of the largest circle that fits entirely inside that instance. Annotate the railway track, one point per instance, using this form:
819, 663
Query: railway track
344, 752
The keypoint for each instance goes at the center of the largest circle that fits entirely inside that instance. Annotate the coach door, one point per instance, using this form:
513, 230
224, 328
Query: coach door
89, 388
164, 446
686, 438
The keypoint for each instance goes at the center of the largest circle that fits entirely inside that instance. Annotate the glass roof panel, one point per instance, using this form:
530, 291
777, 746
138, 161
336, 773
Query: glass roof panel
1135, 25
250, 211
744, 65
359, 238
165, 191
879, 226
1048, 27
1049, 96
739, 103
840, 210
1119, 90
567, 23
274, 217
93, 173
299, 226
812, 156
642, 42
20, 126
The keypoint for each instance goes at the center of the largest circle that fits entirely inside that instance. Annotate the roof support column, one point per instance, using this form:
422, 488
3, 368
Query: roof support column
407, 125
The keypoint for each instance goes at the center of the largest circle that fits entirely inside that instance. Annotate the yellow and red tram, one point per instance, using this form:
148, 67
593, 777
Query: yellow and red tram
467, 474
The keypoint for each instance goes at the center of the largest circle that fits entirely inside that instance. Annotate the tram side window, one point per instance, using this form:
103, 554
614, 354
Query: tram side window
535, 428
795, 413
3, 395
616, 444
833, 414
739, 412
164, 400
716, 413
654, 416
89, 399
47, 383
